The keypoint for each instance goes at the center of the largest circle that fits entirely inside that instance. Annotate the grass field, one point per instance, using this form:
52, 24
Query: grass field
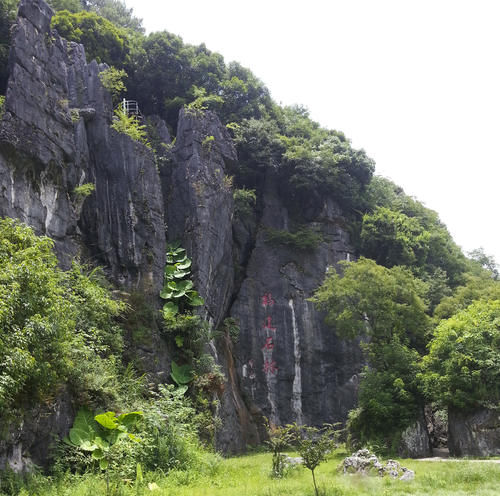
249, 476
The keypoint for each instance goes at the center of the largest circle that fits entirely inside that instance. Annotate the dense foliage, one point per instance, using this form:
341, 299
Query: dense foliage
103, 41
55, 327
462, 368
387, 307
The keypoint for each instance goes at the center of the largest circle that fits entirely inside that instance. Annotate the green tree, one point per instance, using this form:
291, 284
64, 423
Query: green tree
314, 445
487, 262
72, 6
392, 238
280, 438
372, 300
477, 287
408, 230
462, 369
103, 41
386, 306
34, 321
116, 12
55, 327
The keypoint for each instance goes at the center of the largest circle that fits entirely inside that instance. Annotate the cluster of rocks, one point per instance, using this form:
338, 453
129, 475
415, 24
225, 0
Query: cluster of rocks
366, 463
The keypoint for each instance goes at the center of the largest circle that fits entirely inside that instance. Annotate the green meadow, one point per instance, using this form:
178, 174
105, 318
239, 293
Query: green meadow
249, 475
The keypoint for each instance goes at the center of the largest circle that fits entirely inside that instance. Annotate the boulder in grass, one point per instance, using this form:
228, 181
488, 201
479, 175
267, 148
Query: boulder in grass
366, 463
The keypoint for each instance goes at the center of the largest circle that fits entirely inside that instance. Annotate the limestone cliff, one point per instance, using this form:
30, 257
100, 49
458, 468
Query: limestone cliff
55, 136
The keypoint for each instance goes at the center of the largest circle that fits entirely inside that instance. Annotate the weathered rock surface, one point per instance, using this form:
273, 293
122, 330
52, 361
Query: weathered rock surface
55, 136
437, 426
415, 441
474, 434
27, 444
365, 463
291, 367
287, 365
199, 205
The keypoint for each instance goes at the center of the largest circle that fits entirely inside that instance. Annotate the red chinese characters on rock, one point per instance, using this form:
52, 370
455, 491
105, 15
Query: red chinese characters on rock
269, 344
268, 326
269, 368
267, 300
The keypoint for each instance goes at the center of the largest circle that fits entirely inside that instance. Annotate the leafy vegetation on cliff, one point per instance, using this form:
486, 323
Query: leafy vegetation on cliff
387, 306
56, 328
462, 368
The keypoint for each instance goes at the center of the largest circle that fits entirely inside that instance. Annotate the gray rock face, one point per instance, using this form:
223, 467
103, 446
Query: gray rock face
291, 367
287, 365
474, 434
56, 136
28, 444
415, 441
200, 206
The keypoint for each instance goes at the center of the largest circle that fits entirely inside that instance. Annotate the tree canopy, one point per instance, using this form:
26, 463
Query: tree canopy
103, 41
384, 307
55, 326
372, 300
462, 368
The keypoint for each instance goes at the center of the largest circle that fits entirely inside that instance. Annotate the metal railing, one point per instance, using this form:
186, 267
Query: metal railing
131, 107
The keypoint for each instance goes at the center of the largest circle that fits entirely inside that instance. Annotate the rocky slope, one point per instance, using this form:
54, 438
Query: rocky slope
55, 136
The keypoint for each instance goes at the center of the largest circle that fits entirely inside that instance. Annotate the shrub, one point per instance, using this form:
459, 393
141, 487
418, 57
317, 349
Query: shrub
303, 239
84, 190
55, 327
129, 125
462, 368
244, 202
112, 79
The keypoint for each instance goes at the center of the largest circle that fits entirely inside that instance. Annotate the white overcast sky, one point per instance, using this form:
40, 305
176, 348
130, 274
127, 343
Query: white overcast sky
414, 83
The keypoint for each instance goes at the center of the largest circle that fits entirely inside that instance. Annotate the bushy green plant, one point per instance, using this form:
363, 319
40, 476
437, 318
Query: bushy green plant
98, 434
178, 289
84, 190
280, 438
181, 374
392, 238
72, 6
244, 202
203, 101
35, 316
103, 41
304, 238
169, 435
2, 105
314, 445
56, 327
462, 369
112, 79
387, 306
130, 125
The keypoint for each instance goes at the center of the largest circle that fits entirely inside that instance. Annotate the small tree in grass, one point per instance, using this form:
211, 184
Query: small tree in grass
280, 438
314, 444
